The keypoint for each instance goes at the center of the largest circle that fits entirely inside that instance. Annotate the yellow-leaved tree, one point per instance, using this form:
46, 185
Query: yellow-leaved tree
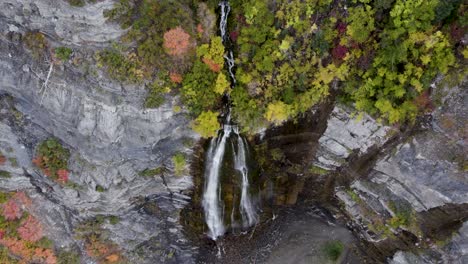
207, 124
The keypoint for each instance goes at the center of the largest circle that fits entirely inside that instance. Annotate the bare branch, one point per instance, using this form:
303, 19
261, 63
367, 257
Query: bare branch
44, 86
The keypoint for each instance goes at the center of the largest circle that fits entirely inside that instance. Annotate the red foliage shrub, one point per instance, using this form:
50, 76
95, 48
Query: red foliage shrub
234, 35
424, 102
17, 247
341, 27
457, 32
22, 199
242, 20
212, 65
11, 210
44, 255
38, 161
113, 258
2, 233
47, 172
175, 77
2, 159
27, 253
62, 176
95, 247
200, 29
339, 52
30, 229
176, 41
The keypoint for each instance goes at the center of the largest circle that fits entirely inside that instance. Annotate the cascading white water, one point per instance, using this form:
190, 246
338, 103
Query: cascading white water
249, 216
213, 214
225, 9
212, 203
230, 62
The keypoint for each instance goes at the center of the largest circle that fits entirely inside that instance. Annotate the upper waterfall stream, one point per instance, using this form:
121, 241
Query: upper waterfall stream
213, 204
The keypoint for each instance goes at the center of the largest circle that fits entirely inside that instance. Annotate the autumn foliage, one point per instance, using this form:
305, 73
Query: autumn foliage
20, 233
22, 199
27, 253
212, 65
423, 102
176, 41
52, 159
98, 248
62, 176
200, 29
11, 210
339, 52
175, 77
30, 229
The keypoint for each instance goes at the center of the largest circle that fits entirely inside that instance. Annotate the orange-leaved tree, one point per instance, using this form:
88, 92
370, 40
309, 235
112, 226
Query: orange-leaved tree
176, 41
30, 229
11, 210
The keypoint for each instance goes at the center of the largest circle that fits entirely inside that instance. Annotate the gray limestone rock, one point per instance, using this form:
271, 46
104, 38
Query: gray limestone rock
110, 135
346, 133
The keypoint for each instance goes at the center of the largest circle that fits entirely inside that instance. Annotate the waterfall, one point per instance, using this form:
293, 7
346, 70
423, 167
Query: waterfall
212, 202
249, 216
213, 215
230, 62
225, 9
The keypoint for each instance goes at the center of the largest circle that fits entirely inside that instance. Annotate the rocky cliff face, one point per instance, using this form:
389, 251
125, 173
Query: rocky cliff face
111, 136
418, 187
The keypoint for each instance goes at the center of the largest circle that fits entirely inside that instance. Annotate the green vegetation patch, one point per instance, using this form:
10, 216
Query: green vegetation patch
63, 53
207, 124
36, 43
122, 67
13, 162
381, 55
404, 215
100, 189
317, 170
151, 172
5, 174
113, 219
52, 159
333, 249
179, 164
68, 257
78, 3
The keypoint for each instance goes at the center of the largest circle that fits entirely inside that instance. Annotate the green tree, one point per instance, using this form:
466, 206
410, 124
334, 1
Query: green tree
361, 22
213, 52
207, 124
277, 112
198, 91
222, 84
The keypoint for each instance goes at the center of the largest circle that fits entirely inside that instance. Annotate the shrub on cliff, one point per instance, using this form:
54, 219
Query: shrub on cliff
179, 164
52, 159
11, 210
30, 229
63, 53
36, 43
